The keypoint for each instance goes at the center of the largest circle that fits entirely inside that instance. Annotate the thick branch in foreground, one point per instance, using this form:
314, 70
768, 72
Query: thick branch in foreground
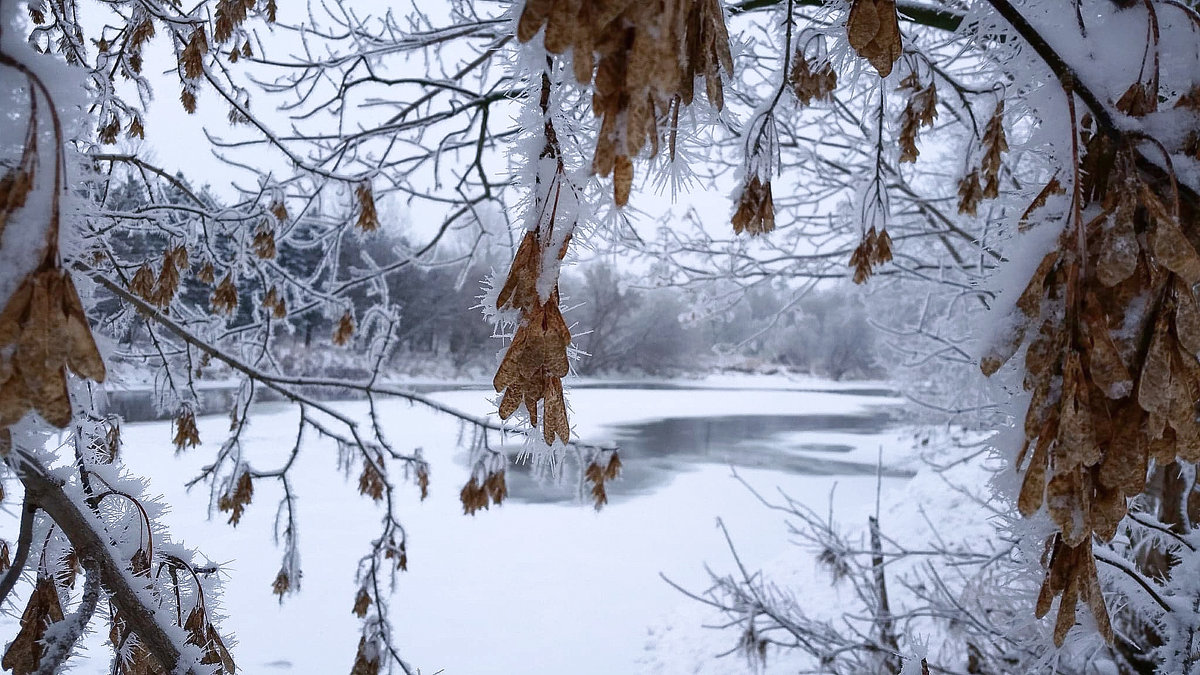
84, 532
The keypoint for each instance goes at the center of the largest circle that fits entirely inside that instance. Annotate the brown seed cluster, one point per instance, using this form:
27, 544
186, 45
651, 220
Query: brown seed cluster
191, 59
15, 185
24, 653
1139, 99
397, 551
984, 182
605, 466
206, 274
995, 143
44, 332
186, 433
366, 659
362, 602
140, 661
234, 501
874, 250
1071, 573
282, 584
647, 56
873, 28
478, 494
279, 210
810, 85
275, 302
224, 299
368, 217
264, 242
755, 213
204, 635
160, 291
536, 361
919, 111
344, 330
370, 481
423, 479
229, 15
970, 194
1114, 331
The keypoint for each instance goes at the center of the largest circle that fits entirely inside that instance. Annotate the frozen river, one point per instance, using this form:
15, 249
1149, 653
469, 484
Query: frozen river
542, 585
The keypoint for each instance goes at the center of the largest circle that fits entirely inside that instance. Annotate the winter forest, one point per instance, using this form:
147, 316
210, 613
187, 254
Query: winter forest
544, 337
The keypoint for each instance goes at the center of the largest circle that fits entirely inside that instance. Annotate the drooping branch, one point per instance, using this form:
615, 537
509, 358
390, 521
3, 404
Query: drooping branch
84, 532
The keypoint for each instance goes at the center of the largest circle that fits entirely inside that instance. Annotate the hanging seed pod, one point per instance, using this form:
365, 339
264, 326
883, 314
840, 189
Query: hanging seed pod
234, 501
368, 217
344, 330
24, 653
45, 326
994, 145
186, 433
970, 194
224, 298
755, 213
809, 85
873, 29
645, 57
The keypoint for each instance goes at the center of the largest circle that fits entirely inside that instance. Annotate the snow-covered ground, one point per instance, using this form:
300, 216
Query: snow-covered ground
529, 587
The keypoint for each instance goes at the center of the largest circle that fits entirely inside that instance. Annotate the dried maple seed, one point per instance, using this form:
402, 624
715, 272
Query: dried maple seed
755, 213
809, 85
235, 501
343, 330
970, 194
644, 59
186, 433
873, 29
368, 217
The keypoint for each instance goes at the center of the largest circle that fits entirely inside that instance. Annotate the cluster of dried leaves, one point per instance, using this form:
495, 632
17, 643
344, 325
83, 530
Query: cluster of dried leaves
480, 493
44, 608
371, 481
368, 216
756, 208
44, 332
874, 250
971, 189
344, 330
919, 111
810, 85
647, 56
873, 29
536, 361
186, 433
275, 302
224, 299
604, 466
234, 501
366, 659
1113, 326
160, 290
203, 634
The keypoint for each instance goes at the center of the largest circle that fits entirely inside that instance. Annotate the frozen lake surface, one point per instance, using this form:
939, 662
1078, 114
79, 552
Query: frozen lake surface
543, 584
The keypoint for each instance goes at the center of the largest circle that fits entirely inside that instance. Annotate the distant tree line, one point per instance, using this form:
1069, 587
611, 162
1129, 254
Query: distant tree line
620, 327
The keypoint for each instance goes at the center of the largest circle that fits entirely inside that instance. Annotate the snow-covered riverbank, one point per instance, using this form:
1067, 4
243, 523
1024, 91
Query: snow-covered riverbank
529, 587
